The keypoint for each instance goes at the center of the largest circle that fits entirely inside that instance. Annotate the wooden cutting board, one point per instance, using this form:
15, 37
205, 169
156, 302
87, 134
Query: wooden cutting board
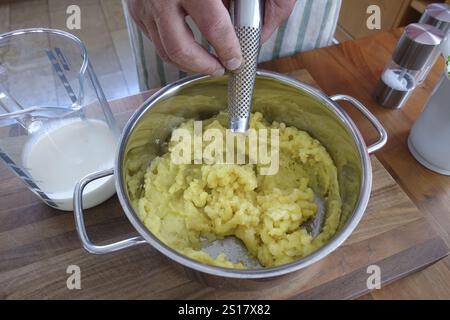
37, 244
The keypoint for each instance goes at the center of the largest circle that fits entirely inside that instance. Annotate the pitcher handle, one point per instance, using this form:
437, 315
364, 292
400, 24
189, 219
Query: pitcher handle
81, 227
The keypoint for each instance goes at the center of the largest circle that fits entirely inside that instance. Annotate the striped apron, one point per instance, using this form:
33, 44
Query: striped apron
311, 25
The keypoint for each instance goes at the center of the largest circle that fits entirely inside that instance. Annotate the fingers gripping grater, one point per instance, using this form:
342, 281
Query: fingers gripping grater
247, 16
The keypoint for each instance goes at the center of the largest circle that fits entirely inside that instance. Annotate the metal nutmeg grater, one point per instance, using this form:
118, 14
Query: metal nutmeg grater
247, 17
416, 48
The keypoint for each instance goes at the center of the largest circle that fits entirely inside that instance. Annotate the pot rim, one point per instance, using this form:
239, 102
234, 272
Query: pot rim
330, 246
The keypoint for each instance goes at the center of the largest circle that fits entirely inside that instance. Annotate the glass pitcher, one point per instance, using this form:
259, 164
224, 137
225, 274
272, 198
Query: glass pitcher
55, 123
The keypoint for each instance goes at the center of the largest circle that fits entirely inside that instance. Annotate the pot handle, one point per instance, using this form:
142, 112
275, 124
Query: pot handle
382, 133
81, 227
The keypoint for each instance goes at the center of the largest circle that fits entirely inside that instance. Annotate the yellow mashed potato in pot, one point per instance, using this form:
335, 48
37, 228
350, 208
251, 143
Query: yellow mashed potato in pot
188, 206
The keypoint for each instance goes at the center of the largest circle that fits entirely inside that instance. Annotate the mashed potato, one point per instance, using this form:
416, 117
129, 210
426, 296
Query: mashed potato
188, 206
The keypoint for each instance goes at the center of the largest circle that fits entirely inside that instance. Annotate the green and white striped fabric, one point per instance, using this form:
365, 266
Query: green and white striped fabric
311, 25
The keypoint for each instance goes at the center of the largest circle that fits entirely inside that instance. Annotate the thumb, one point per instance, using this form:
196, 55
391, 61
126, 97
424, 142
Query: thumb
214, 21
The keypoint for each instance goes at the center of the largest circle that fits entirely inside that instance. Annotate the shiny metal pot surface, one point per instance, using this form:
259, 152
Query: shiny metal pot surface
279, 98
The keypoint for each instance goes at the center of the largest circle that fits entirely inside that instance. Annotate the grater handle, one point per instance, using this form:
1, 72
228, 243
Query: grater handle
247, 13
247, 17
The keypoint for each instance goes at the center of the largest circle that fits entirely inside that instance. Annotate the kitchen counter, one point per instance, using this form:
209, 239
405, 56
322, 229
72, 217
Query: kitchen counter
354, 68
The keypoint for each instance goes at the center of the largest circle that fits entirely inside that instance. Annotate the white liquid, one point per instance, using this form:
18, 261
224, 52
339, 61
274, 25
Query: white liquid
61, 155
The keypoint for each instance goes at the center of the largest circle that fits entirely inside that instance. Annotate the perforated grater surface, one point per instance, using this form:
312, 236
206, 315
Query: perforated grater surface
247, 18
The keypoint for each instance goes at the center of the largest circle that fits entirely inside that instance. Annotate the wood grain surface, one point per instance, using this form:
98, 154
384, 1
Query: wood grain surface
354, 68
37, 244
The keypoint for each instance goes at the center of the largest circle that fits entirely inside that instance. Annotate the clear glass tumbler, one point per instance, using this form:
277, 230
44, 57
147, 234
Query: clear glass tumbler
55, 124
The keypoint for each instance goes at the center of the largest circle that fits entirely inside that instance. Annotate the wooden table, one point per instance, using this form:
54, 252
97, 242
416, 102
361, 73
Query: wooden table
354, 68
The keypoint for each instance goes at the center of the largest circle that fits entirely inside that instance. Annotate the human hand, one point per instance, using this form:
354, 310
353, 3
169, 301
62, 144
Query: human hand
164, 23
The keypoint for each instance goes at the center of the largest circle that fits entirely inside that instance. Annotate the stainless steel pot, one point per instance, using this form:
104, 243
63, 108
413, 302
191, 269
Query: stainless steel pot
280, 98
